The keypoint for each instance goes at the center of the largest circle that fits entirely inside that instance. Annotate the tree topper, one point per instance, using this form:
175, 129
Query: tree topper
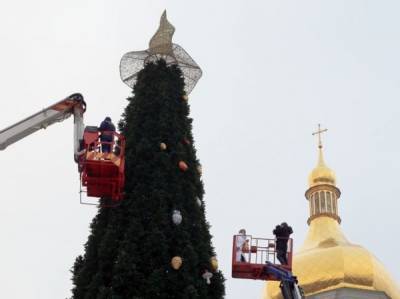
160, 47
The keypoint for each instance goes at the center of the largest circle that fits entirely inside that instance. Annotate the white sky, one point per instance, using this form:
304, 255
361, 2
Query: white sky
272, 70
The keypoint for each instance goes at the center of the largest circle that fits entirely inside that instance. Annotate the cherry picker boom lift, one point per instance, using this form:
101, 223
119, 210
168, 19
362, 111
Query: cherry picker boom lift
102, 174
255, 258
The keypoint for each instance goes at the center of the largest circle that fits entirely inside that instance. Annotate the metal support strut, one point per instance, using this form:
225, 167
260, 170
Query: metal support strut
288, 285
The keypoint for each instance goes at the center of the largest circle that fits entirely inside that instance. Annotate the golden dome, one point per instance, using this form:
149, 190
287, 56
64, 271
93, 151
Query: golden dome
321, 174
328, 261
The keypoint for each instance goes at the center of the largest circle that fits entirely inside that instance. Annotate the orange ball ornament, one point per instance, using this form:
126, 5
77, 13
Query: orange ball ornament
183, 166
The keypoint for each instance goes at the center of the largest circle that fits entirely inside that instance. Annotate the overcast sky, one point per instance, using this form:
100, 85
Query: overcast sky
272, 70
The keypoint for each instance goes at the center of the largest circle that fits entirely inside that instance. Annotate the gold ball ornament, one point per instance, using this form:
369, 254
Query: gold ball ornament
185, 97
163, 146
176, 262
200, 169
214, 263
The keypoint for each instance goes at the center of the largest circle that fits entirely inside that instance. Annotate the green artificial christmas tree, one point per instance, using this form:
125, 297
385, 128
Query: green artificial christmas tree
156, 244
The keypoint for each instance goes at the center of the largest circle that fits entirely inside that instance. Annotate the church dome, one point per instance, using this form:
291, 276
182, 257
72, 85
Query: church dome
328, 261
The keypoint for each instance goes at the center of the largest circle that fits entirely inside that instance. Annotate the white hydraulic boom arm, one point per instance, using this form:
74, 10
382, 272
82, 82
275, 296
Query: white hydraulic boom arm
72, 105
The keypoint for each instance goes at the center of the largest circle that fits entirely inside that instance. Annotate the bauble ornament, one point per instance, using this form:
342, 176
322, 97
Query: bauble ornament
199, 169
214, 263
183, 166
198, 201
163, 146
176, 217
176, 262
185, 97
207, 276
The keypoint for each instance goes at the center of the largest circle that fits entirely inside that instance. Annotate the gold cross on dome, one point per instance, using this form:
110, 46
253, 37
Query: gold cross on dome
319, 132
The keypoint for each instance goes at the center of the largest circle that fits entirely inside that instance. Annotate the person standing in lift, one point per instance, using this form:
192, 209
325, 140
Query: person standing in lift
240, 243
106, 134
282, 233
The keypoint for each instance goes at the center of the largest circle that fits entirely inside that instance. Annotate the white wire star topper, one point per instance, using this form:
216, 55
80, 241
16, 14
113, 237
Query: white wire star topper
160, 47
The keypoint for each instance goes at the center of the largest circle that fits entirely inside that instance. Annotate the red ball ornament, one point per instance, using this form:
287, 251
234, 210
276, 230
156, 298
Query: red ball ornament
183, 166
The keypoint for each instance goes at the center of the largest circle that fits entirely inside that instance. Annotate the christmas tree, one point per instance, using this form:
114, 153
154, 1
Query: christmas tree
157, 243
